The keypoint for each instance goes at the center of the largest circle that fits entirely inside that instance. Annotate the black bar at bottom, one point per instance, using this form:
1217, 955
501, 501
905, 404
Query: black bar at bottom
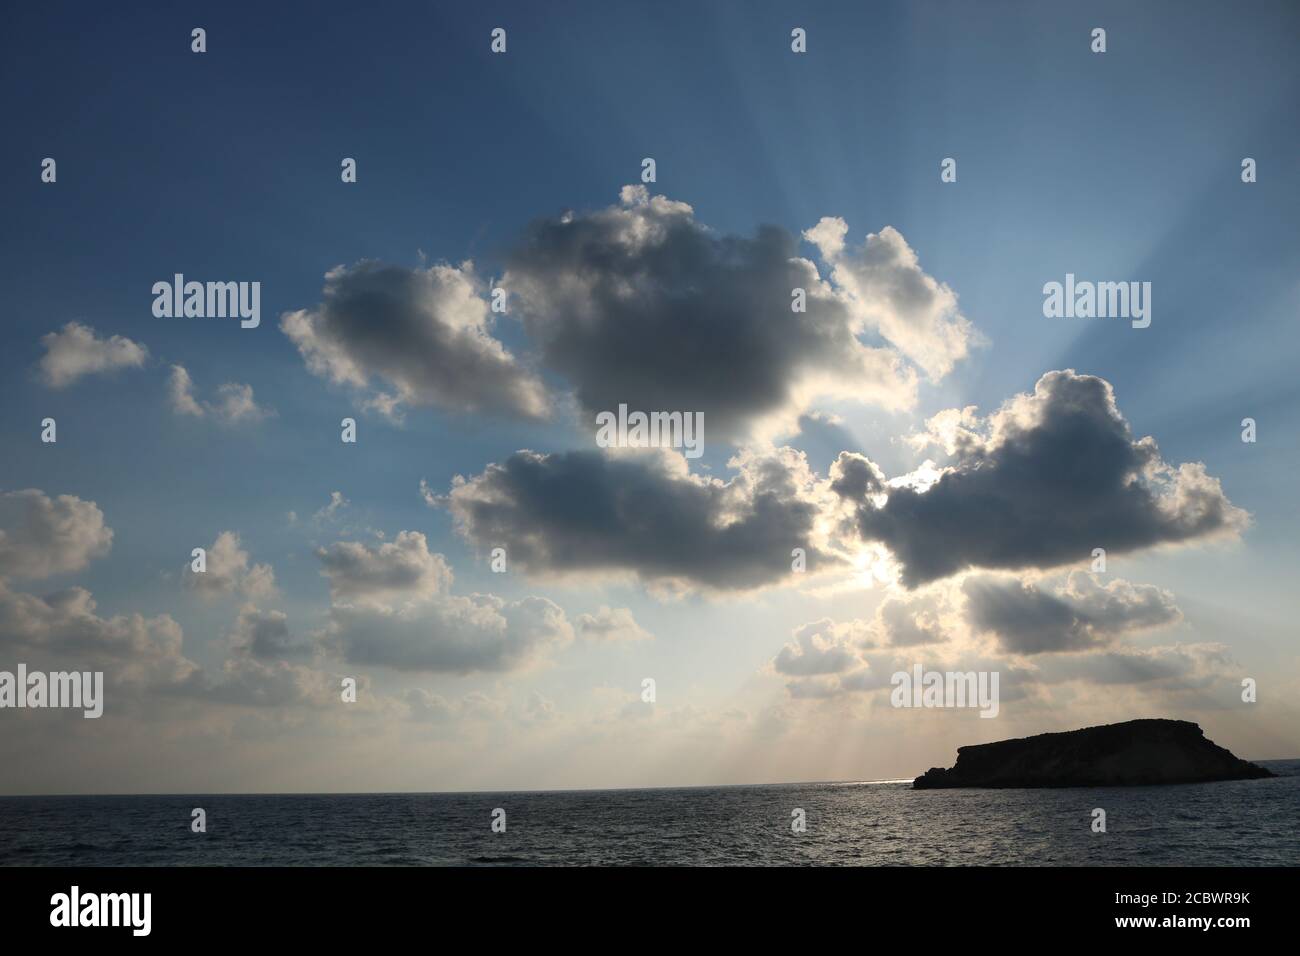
331, 905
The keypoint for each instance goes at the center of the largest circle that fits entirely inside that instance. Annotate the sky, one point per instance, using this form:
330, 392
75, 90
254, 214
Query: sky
946, 456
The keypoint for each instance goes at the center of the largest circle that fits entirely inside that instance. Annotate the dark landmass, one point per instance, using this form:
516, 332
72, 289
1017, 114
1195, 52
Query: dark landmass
1132, 754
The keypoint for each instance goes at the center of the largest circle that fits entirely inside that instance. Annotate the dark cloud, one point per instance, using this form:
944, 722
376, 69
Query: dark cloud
1083, 615
423, 334
1052, 476
855, 477
645, 514
265, 635
640, 304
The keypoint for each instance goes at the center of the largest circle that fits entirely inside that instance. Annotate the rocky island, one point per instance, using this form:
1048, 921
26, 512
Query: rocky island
1134, 753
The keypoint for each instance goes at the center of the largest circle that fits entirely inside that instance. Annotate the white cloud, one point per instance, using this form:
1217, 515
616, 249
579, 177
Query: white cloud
77, 351
41, 536
886, 290
229, 571
401, 569
330, 511
234, 403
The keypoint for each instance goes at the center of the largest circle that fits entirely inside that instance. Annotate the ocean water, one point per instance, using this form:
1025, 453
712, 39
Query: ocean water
1253, 822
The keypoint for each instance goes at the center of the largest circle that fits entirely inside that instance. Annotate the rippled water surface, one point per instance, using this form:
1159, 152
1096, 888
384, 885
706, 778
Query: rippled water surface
1255, 822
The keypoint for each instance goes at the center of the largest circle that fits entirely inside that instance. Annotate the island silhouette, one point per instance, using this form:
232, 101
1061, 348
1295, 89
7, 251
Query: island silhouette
1129, 754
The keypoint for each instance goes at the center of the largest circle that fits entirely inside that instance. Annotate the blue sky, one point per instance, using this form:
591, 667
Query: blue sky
1119, 166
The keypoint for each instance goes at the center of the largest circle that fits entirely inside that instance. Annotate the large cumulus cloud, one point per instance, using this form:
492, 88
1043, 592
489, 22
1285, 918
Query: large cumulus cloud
646, 514
641, 304
1042, 482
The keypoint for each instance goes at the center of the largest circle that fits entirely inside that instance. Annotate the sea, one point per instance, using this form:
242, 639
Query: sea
863, 823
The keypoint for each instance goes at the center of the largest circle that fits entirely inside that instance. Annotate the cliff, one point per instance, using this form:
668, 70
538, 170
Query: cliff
1134, 753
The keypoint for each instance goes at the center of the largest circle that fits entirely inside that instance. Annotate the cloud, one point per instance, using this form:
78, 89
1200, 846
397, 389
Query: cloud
828, 657
262, 669
180, 393
433, 708
641, 304
1039, 484
540, 709
1171, 667
234, 404
427, 494
818, 648
423, 334
229, 572
330, 511
944, 627
611, 626
41, 536
265, 635
1021, 628
249, 681
1082, 615
393, 607
908, 623
426, 706
64, 625
401, 568
76, 351
890, 293
646, 514
450, 634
